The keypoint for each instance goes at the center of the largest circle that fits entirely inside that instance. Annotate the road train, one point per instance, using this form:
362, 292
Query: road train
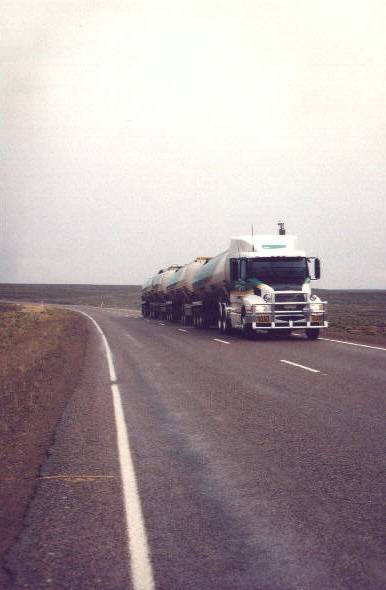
260, 283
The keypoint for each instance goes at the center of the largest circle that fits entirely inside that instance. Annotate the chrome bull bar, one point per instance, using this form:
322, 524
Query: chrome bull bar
289, 314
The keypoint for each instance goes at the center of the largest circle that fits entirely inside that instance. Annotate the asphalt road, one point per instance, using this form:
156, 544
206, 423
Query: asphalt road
244, 471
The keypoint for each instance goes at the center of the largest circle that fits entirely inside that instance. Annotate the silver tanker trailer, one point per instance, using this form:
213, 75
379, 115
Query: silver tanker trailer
179, 289
261, 283
154, 293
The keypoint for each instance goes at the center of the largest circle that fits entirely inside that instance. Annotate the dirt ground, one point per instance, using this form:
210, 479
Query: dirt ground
357, 316
96, 295
41, 356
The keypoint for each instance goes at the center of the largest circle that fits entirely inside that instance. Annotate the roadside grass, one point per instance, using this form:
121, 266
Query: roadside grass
41, 356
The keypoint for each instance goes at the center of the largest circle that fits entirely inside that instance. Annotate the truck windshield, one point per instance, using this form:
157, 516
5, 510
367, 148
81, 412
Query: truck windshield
278, 270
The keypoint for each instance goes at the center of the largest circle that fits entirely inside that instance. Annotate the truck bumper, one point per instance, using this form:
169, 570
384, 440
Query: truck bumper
288, 325
290, 316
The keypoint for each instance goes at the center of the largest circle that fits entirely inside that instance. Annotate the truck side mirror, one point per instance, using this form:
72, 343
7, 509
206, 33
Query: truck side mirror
314, 269
317, 268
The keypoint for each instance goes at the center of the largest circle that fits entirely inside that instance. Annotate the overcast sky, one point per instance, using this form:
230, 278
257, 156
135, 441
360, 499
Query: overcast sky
138, 134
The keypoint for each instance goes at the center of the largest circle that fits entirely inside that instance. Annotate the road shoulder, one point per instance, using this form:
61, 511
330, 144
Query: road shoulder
42, 354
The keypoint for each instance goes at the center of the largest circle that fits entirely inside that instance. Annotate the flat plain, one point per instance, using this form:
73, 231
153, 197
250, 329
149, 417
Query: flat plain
355, 315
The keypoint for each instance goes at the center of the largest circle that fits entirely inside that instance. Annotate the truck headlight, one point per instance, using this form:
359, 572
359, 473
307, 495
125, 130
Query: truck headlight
267, 297
261, 308
314, 307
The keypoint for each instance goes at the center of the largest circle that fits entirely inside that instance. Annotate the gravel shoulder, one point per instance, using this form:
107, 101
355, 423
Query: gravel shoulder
41, 357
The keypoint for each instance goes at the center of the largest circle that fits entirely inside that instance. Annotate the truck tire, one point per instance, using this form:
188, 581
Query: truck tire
224, 324
227, 326
312, 333
185, 319
219, 319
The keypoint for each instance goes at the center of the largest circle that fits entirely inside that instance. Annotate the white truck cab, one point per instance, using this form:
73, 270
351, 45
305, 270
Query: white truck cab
270, 285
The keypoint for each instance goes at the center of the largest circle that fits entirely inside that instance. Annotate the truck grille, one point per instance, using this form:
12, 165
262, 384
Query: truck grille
291, 297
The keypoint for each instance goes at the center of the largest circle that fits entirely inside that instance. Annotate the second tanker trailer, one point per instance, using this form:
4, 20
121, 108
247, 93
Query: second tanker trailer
259, 283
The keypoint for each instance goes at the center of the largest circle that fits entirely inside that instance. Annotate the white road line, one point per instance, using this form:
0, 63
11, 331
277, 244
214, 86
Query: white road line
223, 341
354, 344
181, 330
161, 324
141, 571
139, 554
301, 366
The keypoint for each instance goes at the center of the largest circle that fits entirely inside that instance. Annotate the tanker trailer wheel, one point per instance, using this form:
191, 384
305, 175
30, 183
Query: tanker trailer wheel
202, 321
312, 333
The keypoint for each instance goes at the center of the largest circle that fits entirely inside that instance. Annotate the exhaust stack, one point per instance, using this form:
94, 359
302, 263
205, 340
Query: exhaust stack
281, 228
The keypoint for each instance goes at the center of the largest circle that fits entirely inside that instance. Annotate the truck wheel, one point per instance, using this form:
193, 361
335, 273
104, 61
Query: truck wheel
220, 321
227, 326
224, 324
312, 333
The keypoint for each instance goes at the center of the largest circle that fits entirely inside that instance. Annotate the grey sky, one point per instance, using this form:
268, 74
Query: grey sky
139, 134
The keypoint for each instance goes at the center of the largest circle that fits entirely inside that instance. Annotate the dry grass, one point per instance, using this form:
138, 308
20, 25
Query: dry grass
97, 295
41, 355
